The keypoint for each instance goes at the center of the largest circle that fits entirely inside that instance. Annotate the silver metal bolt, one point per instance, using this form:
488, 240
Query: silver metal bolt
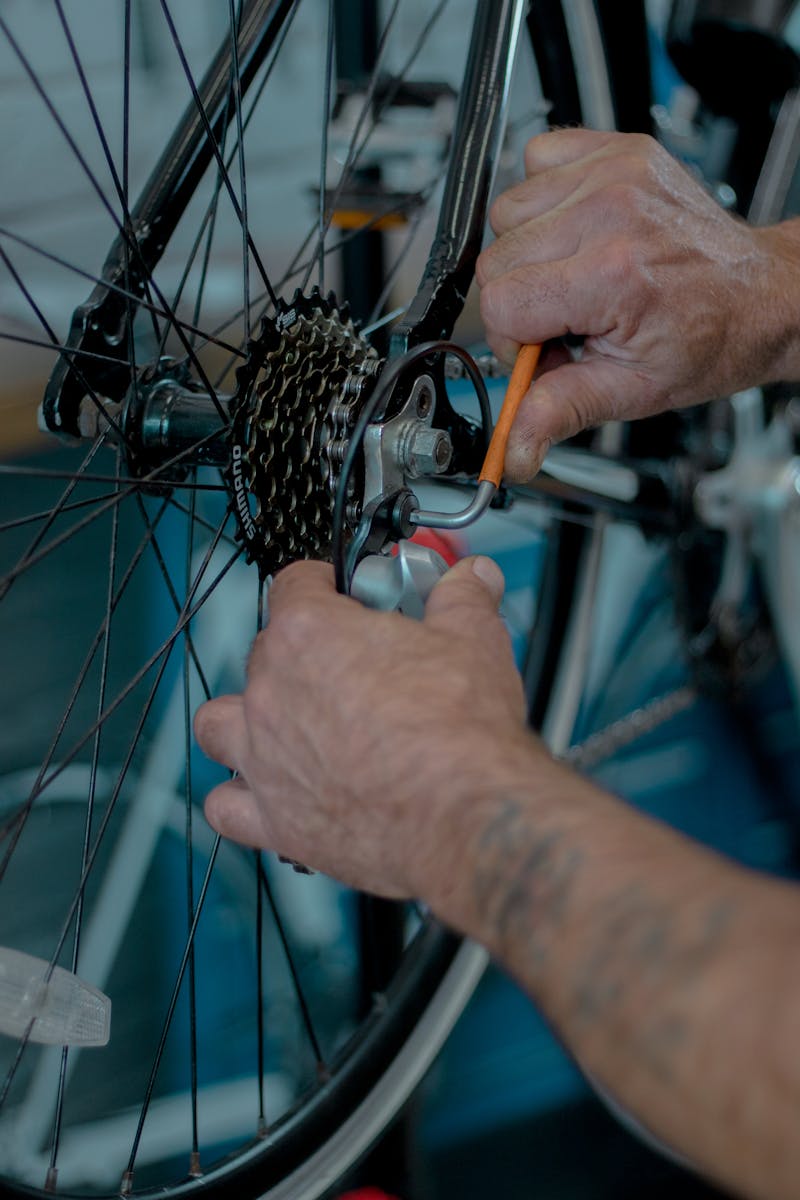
428, 452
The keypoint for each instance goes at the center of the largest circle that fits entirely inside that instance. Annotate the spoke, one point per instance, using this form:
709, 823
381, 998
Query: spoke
51, 334
391, 277
354, 149
55, 512
45, 513
178, 325
80, 158
237, 103
212, 141
299, 264
323, 168
209, 224
58, 348
130, 308
91, 860
385, 320
407, 65
322, 1069
51, 108
230, 541
126, 108
87, 835
162, 652
188, 655
31, 560
210, 215
262, 1120
165, 310
52, 473
42, 784
173, 595
121, 186
127, 1179
15, 826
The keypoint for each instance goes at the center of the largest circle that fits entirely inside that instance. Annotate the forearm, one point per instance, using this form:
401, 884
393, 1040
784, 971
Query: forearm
772, 319
669, 972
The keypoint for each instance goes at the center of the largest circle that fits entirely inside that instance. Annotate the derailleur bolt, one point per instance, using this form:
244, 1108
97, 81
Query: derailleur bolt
424, 451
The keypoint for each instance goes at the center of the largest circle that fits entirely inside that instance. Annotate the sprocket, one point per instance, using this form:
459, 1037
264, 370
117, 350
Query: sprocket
298, 396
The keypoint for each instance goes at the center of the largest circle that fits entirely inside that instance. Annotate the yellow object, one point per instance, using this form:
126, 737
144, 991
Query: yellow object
355, 218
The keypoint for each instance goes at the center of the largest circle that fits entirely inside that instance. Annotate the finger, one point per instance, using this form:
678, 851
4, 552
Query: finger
303, 606
504, 349
221, 732
560, 146
569, 399
530, 199
468, 596
301, 581
541, 301
232, 810
553, 236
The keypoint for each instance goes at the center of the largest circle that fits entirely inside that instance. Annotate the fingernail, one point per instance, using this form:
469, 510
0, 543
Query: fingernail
490, 574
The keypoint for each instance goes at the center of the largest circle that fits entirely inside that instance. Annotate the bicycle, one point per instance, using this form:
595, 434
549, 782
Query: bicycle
214, 468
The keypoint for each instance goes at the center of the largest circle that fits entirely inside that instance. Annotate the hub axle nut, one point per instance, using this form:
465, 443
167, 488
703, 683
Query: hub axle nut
426, 452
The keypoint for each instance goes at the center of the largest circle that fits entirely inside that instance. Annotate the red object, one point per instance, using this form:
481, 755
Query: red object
451, 550
367, 1193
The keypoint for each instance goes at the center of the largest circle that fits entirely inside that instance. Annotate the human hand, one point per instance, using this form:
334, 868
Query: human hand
364, 740
610, 238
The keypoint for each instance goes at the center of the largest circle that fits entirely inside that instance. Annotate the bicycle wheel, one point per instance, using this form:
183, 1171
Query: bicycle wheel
132, 584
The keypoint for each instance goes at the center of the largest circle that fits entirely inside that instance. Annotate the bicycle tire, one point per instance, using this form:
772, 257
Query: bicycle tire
397, 1041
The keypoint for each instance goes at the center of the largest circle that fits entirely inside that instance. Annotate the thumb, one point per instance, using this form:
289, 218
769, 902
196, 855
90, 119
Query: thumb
468, 595
567, 400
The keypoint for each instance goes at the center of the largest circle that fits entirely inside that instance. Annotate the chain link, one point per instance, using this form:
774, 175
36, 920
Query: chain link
627, 730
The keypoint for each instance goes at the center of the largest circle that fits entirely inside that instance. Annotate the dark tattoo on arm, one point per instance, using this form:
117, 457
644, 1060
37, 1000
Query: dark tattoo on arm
640, 955
524, 880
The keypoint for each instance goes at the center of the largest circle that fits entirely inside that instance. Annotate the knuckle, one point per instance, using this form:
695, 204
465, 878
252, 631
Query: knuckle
645, 146
533, 148
483, 267
287, 579
260, 708
498, 214
621, 263
491, 304
529, 155
295, 626
624, 196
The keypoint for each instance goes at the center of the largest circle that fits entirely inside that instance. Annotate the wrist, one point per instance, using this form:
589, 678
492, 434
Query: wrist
774, 317
503, 828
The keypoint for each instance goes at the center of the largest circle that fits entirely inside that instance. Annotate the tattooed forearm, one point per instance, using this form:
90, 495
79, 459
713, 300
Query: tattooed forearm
629, 957
523, 881
639, 973
670, 973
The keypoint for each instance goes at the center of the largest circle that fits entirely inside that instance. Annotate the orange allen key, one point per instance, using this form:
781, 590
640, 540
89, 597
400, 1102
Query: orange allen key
521, 379
491, 473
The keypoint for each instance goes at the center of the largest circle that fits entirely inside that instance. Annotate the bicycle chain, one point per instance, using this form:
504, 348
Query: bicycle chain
628, 729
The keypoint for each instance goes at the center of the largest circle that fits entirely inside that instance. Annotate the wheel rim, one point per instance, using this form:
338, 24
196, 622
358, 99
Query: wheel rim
128, 702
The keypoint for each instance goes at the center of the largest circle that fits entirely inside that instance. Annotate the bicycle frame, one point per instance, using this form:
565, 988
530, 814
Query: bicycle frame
102, 325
